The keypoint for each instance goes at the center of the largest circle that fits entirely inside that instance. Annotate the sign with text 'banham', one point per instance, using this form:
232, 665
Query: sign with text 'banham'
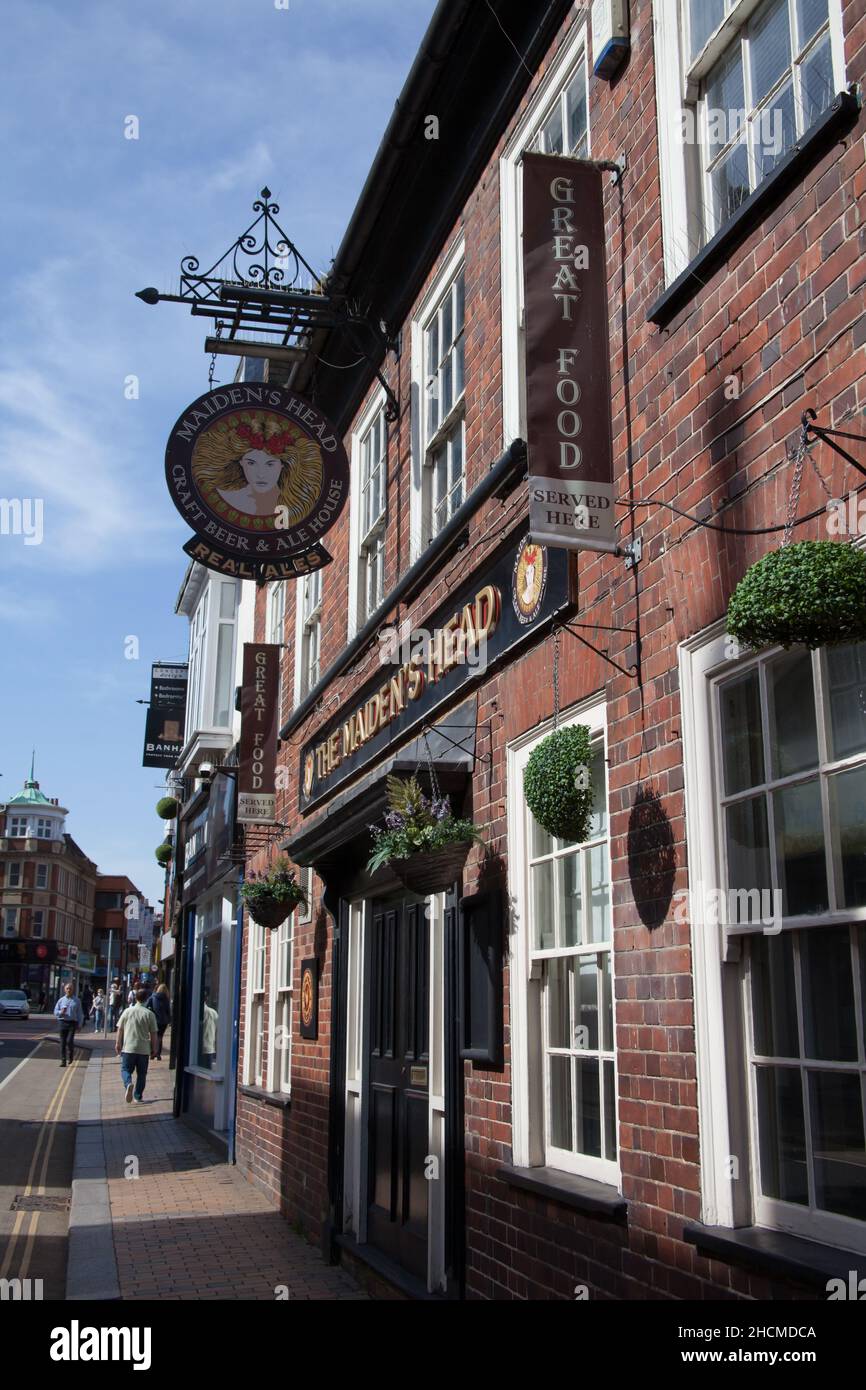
259, 726
567, 355
261, 476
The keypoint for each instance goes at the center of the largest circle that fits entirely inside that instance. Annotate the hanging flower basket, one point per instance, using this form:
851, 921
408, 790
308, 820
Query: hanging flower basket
166, 808
270, 898
163, 853
557, 783
810, 594
422, 842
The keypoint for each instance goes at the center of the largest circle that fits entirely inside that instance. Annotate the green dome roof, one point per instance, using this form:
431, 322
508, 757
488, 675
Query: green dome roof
31, 795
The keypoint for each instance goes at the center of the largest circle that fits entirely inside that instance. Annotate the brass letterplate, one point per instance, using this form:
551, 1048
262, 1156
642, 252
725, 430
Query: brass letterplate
417, 1076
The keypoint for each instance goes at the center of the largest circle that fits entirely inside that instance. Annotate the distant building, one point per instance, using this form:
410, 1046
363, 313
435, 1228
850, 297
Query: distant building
47, 886
124, 919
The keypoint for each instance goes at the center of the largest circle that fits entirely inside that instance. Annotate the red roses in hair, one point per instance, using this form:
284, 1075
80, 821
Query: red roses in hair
256, 439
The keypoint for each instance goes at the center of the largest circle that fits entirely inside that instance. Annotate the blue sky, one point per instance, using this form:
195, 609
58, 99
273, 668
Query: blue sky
229, 95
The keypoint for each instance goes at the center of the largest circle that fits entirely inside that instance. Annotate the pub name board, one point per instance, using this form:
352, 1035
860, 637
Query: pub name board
521, 587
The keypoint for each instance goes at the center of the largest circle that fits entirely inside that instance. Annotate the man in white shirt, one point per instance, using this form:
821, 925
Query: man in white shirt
135, 1045
70, 1015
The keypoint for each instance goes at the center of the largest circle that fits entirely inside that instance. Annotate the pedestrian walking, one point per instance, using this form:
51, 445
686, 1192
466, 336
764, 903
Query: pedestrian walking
131, 997
160, 1006
69, 1015
43, 1000
135, 1045
98, 1010
115, 1003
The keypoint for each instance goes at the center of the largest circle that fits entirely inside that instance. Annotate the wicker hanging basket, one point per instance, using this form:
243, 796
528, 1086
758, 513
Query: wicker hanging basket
433, 871
270, 914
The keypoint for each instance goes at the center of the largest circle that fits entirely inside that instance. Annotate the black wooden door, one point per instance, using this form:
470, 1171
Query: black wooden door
399, 1076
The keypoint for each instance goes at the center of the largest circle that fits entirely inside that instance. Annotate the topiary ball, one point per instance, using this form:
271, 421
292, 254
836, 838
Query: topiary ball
557, 784
166, 808
163, 853
811, 594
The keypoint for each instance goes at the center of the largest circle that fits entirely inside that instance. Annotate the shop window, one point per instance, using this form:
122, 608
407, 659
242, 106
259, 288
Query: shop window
368, 518
13, 875
208, 953
565, 1018
782, 738
555, 122
738, 86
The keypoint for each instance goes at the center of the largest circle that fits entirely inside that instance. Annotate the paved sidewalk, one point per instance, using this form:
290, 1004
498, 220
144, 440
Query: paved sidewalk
158, 1215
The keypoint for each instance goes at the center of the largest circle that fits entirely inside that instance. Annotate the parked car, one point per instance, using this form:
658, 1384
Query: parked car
14, 1004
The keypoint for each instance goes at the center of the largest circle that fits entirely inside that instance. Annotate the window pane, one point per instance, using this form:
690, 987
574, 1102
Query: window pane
726, 101
775, 131
846, 698
540, 842
748, 844
730, 181
588, 1106
837, 1136
586, 1004
769, 47
445, 394
560, 1102
542, 906
800, 859
791, 702
599, 891
705, 16
742, 740
811, 14
223, 691
598, 779
551, 134
208, 1030
816, 83
568, 869
575, 111
606, 1002
609, 1111
782, 1134
848, 829
558, 1015
459, 367
829, 1029
227, 599
774, 996
459, 302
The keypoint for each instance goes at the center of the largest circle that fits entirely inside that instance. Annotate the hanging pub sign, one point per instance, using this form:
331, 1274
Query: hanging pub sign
261, 476
567, 355
259, 728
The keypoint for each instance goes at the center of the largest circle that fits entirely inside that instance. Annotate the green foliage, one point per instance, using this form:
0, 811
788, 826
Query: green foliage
810, 594
278, 885
166, 808
557, 784
416, 825
163, 853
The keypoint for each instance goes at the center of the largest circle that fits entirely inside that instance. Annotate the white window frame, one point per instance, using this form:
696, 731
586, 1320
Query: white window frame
254, 1040
279, 1070
419, 520
729, 1198
17, 827
683, 197
16, 866
304, 625
44, 871
10, 921
529, 1107
359, 541
44, 828
37, 923
305, 878
573, 54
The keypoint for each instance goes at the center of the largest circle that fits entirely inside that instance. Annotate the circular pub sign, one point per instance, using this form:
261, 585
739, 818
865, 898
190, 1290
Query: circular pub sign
529, 580
259, 474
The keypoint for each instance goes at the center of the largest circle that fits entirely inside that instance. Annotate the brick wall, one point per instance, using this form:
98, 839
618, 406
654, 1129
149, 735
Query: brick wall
784, 318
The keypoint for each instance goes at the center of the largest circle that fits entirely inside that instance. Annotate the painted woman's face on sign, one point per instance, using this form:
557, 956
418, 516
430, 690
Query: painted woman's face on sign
262, 472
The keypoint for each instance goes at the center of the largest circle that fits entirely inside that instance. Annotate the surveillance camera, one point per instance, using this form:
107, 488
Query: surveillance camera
205, 771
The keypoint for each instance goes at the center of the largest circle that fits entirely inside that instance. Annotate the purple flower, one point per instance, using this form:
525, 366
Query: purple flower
394, 820
441, 809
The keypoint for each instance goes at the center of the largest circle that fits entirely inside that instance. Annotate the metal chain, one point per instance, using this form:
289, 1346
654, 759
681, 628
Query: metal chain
556, 678
798, 458
213, 358
434, 781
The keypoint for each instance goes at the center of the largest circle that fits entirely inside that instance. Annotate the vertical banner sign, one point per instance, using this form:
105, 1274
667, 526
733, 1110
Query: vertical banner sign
567, 355
259, 722
164, 724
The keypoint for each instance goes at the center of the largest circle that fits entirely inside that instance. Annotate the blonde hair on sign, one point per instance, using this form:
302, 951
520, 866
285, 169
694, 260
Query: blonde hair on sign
216, 459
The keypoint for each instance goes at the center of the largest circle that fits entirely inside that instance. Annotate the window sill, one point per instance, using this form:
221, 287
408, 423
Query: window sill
583, 1194
276, 1098
837, 120
776, 1253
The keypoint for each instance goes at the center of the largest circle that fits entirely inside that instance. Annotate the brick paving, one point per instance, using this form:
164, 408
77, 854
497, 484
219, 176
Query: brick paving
189, 1226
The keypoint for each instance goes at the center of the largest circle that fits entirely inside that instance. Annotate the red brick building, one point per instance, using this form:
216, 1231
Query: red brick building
706, 1136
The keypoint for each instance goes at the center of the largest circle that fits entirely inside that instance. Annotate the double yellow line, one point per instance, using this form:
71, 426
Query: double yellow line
44, 1145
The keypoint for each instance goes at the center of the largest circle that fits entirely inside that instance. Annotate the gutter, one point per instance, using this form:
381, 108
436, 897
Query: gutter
496, 480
